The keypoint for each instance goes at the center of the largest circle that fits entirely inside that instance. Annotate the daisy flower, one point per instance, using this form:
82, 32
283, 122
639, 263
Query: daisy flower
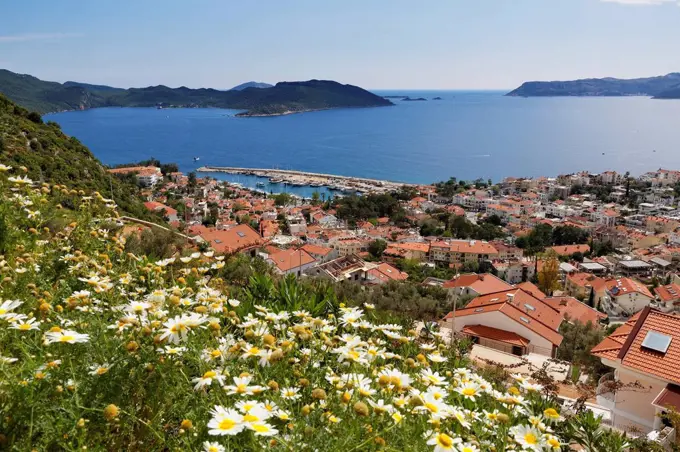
443, 442
225, 421
67, 336
206, 379
26, 325
290, 393
99, 369
528, 437
210, 446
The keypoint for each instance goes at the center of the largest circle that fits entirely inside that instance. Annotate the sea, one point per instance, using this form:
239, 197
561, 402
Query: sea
466, 134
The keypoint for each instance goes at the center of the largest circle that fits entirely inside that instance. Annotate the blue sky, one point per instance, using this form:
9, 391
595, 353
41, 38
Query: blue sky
432, 44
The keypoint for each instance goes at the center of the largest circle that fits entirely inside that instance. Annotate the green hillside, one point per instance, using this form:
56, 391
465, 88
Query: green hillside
284, 97
50, 156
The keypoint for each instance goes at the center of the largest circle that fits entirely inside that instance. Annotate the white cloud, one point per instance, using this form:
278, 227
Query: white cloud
37, 37
642, 2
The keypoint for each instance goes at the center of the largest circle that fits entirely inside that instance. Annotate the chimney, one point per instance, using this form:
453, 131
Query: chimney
511, 297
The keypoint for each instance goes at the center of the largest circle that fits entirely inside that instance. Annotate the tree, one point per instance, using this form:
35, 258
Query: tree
192, 179
377, 247
549, 275
568, 235
578, 340
282, 199
316, 198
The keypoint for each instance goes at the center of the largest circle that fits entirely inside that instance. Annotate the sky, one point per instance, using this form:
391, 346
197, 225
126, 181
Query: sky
376, 44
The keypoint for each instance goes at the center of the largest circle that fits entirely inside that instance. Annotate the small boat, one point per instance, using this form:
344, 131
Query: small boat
196, 159
259, 184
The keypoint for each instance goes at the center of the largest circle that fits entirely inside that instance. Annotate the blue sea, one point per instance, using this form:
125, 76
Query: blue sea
469, 135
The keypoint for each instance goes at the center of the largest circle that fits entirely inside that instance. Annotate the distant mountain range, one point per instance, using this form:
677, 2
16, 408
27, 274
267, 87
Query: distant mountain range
245, 85
282, 98
661, 87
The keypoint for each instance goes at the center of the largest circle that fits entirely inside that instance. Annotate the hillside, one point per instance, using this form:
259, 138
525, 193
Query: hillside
53, 157
245, 85
284, 97
650, 86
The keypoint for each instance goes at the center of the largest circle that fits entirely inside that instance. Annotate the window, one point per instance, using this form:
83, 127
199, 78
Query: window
240, 234
656, 341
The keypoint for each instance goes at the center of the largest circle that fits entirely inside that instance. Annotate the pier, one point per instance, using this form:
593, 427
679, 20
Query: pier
302, 178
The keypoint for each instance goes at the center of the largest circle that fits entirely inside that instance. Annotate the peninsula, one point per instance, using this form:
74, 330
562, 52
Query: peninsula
282, 98
661, 87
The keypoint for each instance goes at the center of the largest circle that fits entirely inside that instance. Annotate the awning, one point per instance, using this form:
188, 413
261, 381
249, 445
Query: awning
668, 397
495, 334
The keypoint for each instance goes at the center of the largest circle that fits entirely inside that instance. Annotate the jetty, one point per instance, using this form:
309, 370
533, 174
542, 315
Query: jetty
302, 178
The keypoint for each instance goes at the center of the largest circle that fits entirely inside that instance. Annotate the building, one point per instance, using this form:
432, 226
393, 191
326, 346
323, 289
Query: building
473, 284
456, 252
510, 321
147, 176
573, 310
568, 250
349, 246
385, 273
515, 271
625, 296
345, 268
580, 285
168, 212
668, 297
321, 253
239, 239
410, 250
291, 261
644, 355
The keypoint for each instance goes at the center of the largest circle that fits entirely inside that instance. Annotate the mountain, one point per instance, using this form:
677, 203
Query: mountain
650, 86
53, 157
245, 85
283, 98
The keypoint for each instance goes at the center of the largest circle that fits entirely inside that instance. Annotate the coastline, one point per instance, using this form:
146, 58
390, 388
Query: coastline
307, 178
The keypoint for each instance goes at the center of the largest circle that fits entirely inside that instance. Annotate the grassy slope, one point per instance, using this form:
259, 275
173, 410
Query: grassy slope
53, 157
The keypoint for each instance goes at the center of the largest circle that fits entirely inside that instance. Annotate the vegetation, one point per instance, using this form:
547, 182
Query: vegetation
544, 235
549, 275
49, 155
360, 208
578, 340
453, 186
43, 97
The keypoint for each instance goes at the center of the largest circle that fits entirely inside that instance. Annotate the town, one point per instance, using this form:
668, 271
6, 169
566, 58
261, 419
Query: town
524, 263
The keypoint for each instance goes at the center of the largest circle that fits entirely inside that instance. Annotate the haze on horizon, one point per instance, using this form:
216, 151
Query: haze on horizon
377, 44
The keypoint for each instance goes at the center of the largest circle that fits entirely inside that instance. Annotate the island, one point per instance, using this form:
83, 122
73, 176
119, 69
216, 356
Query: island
245, 85
395, 97
280, 99
661, 87
437, 98
413, 99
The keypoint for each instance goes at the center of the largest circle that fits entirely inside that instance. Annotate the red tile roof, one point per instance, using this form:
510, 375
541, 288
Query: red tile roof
668, 293
625, 345
482, 284
668, 397
289, 259
238, 238
495, 334
521, 307
622, 286
532, 289
568, 250
572, 309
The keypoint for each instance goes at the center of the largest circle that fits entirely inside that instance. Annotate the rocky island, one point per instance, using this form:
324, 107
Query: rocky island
282, 98
413, 99
661, 87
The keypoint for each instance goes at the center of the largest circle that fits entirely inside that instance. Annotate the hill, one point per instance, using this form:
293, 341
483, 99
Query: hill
50, 156
245, 85
650, 86
284, 97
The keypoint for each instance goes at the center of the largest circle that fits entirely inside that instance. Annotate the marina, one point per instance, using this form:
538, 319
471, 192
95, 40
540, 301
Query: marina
294, 178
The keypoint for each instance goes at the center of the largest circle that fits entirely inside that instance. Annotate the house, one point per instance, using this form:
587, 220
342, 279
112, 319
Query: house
344, 268
348, 246
476, 284
658, 225
384, 272
456, 252
668, 297
625, 296
410, 250
580, 284
568, 250
515, 271
510, 321
320, 253
532, 289
147, 176
239, 239
644, 355
169, 213
291, 261
573, 310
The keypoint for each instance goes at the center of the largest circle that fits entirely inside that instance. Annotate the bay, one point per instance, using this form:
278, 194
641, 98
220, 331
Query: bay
467, 134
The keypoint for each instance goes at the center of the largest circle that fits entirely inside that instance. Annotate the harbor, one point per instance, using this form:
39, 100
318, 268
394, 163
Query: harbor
293, 178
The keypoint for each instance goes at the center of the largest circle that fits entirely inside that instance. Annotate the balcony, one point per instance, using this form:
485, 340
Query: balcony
606, 390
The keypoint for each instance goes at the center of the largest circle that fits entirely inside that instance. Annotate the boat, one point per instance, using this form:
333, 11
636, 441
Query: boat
196, 159
260, 184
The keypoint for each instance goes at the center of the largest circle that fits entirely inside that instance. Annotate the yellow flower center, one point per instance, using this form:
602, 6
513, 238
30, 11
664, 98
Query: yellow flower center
241, 388
210, 374
250, 418
260, 428
254, 351
101, 370
432, 407
444, 440
67, 338
25, 326
530, 438
227, 424
469, 391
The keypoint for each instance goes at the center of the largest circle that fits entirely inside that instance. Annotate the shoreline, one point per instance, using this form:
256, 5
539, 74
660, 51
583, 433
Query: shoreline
307, 178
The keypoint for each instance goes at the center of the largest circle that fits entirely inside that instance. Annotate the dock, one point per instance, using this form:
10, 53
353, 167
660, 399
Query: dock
300, 178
